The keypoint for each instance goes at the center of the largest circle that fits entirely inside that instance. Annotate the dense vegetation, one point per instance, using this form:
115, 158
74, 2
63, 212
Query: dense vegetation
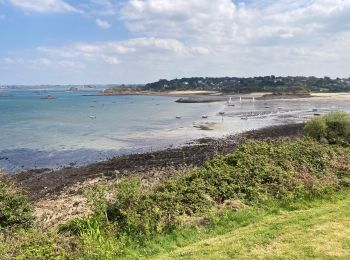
131, 219
15, 210
332, 128
261, 84
255, 174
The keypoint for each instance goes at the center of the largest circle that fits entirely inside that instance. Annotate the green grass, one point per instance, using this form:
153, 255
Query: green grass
319, 229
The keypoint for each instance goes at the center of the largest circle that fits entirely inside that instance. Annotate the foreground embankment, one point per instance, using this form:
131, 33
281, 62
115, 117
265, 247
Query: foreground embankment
40, 184
282, 197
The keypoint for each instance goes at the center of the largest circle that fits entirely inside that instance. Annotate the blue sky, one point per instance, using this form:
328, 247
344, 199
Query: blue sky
138, 41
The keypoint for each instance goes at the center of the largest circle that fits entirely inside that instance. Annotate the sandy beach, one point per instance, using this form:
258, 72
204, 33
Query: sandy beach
345, 96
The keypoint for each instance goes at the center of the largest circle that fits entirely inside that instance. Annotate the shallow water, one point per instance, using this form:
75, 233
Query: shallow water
75, 130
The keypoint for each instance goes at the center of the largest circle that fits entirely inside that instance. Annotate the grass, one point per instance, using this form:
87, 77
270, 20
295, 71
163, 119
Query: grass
319, 229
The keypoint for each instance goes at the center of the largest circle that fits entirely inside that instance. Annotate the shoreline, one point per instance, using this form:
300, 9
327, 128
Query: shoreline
198, 96
44, 183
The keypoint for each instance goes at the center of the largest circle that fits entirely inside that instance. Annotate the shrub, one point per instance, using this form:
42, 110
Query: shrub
333, 128
133, 210
15, 210
256, 173
39, 244
265, 170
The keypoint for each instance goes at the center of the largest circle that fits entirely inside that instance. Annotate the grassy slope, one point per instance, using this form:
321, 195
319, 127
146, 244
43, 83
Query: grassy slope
322, 231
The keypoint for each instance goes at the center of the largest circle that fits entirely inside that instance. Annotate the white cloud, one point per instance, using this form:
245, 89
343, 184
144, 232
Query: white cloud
103, 7
223, 22
43, 61
176, 38
109, 51
111, 60
10, 60
102, 24
71, 64
44, 6
250, 34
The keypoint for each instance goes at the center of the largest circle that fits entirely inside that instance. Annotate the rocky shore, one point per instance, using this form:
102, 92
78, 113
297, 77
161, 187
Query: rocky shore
40, 184
285, 96
202, 99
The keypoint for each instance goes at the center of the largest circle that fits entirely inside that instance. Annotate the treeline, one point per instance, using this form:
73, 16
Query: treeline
261, 84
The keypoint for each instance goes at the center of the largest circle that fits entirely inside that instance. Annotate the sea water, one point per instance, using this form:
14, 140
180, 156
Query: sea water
75, 129
78, 128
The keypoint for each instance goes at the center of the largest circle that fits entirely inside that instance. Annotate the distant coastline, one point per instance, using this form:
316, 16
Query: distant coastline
199, 96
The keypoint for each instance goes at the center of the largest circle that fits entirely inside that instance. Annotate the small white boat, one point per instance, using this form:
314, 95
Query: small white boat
92, 117
230, 103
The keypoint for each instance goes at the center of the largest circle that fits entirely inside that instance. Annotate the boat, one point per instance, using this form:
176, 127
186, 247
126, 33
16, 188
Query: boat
178, 117
230, 103
48, 97
204, 116
221, 113
92, 117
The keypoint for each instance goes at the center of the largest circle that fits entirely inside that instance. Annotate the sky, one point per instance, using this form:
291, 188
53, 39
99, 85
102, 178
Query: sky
140, 41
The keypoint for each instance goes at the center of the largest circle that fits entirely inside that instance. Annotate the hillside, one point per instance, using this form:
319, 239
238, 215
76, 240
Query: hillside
254, 84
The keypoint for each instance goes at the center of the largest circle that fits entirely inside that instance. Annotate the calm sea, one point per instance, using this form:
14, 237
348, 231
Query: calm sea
76, 129
73, 129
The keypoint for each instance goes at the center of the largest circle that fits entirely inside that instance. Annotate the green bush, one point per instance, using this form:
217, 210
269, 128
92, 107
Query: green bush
265, 170
133, 210
15, 210
36, 243
333, 128
256, 173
